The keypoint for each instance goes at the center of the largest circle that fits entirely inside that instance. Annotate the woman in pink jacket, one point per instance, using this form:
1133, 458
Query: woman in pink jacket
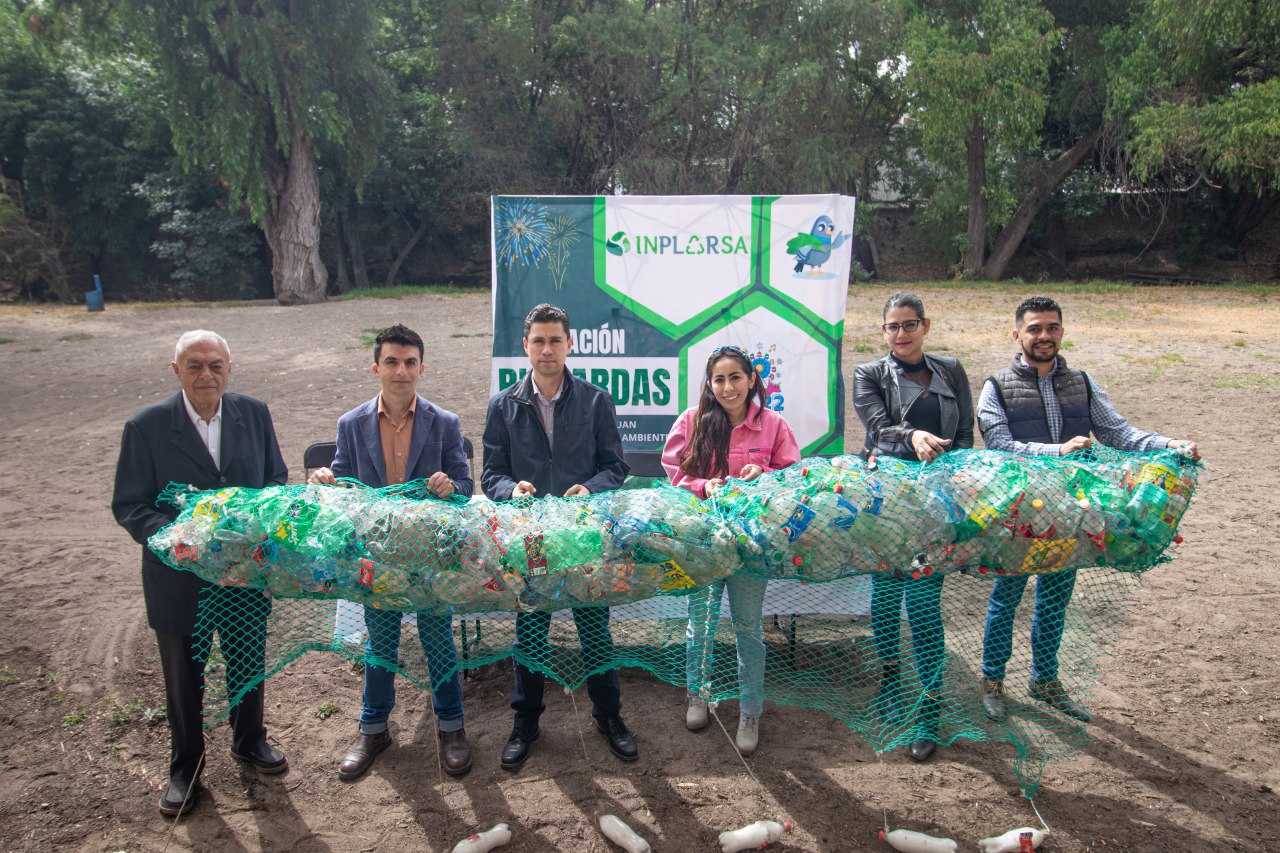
729, 434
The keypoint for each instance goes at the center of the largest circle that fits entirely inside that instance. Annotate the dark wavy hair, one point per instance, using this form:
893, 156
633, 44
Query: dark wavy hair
707, 453
1036, 305
397, 334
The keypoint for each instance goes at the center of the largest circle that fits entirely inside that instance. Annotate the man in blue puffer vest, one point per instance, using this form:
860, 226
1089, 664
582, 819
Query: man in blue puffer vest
1039, 406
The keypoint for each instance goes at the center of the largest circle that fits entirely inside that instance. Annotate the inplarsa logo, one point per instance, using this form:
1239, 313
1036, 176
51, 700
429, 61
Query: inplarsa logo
618, 244
677, 244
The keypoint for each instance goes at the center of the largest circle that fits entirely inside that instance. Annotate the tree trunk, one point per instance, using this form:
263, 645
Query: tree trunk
1050, 179
351, 229
342, 281
976, 163
292, 227
404, 253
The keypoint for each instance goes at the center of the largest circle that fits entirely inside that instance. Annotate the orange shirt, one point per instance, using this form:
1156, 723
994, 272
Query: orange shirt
395, 440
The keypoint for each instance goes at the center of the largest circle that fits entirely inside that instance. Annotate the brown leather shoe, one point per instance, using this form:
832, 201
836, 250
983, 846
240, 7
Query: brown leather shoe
993, 698
359, 758
1053, 694
455, 752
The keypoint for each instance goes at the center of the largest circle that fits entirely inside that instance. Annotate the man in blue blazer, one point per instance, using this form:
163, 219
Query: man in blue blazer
396, 437
207, 438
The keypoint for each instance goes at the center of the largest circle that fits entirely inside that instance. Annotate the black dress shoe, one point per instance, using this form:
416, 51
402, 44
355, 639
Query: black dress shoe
516, 752
921, 749
265, 757
621, 743
179, 797
359, 758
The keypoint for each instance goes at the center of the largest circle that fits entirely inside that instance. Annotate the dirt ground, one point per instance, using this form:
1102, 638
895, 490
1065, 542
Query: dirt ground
1184, 752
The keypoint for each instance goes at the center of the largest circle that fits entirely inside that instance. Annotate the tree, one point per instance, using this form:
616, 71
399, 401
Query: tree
1011, 94
254, 86
77, 133
647, 97
1202, 82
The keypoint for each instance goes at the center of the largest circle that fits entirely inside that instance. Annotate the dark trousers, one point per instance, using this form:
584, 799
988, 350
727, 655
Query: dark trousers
597, 659
239, 616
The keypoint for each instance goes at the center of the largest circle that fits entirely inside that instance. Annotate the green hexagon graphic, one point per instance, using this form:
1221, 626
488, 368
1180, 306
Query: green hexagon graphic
678, 279
792, 361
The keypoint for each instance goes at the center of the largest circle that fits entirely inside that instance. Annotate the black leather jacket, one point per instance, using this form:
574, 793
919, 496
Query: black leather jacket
588, 448
877, 398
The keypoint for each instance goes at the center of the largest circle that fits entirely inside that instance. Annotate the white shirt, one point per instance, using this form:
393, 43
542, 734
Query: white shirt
211, 432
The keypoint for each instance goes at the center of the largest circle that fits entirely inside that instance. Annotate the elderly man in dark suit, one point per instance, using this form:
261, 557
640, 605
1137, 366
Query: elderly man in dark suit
208, 438
396, 437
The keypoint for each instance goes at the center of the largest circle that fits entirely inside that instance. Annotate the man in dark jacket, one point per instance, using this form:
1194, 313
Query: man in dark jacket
396, 437
208, 438
554, 434
1039, 406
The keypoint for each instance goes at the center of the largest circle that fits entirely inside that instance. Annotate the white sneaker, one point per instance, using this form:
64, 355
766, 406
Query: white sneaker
748, 734
696, 717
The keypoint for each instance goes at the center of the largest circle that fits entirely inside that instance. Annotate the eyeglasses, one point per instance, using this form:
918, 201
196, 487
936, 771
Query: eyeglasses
908, 327
728, 349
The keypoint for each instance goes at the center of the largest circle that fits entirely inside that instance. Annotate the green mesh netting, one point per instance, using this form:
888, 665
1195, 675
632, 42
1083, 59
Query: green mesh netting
891, 591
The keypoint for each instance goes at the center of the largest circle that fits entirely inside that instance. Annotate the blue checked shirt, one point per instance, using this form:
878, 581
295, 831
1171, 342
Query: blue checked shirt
1109, 426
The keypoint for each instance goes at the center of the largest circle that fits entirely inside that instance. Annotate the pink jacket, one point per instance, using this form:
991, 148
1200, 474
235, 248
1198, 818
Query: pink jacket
770, 444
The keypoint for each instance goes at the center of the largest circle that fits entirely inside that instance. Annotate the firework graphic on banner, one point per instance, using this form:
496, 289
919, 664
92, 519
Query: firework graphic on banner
522, 232
563, 234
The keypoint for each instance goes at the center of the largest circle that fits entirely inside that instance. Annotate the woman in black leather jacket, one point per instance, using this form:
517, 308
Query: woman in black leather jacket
917, 407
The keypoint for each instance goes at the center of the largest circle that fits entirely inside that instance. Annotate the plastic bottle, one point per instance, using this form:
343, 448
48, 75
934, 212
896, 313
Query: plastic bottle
989, 500
753, 836
910, 841
1012, 841
483, 842
622, 835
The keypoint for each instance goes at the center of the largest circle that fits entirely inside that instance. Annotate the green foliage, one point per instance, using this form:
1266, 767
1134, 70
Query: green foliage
31, 248
246, 83
76, 132
73, 719
979, 63
661, 98
1202, 81
211, 251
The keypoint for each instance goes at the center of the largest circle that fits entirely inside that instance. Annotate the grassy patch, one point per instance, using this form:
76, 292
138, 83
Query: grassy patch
1238, 342
75, 718
861, 347
6, 340
1159, 362
76, 336
402, 292
1247, 380
469, 335
327, 710
187, 303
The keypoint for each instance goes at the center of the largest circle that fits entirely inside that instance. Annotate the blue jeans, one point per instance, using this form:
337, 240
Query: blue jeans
383, 652
924, 611
597, 660
746, 602
1053, 594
